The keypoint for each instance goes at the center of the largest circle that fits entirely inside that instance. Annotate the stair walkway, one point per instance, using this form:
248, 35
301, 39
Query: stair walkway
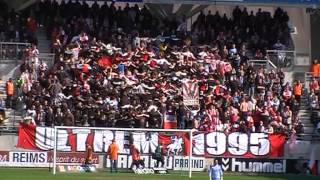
305, 117
43, 42
12, 117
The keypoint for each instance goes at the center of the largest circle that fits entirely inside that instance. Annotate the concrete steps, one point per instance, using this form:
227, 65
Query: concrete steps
305, 116
13, 118
43, 43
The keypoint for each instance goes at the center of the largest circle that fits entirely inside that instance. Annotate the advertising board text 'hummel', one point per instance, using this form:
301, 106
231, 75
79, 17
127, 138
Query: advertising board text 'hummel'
254, 165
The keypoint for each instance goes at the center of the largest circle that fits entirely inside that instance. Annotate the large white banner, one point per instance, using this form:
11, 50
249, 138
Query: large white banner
205, 144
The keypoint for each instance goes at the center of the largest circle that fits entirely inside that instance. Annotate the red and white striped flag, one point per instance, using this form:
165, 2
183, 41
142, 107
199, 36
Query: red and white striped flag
190, 93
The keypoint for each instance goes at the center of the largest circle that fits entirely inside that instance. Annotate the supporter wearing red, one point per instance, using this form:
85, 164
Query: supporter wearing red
314, 85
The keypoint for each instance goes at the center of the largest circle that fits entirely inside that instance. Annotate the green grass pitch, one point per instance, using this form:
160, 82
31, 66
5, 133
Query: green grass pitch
44, 174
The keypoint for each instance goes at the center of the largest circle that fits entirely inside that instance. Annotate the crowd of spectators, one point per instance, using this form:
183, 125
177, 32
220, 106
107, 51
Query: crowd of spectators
258, 31
314, 87
108, 74
16, 27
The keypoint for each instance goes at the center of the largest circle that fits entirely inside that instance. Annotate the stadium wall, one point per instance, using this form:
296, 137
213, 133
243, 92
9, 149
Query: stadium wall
8, 70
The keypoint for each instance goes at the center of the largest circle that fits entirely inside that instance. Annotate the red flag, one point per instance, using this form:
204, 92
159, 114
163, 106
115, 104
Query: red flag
186, 139
105, 62
313, 163
277, 142
27, 136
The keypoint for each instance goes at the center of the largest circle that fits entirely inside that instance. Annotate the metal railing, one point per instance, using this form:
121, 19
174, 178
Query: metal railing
263, 63
8, 129
47, 58
12, 50
281, 58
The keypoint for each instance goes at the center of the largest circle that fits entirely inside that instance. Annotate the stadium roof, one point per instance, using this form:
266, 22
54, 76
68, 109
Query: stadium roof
21, 4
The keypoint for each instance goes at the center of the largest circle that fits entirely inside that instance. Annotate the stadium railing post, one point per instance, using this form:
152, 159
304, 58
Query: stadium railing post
54, 150
190, 155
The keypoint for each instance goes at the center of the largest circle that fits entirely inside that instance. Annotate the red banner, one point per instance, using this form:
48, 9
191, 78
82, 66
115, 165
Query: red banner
209, 144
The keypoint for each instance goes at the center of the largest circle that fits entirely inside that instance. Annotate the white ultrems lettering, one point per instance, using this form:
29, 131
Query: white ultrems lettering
120, 138
145, 142
198, 148
102, 140
44, 138
238, 143
62, 140
216, 143
81, 136
259, 144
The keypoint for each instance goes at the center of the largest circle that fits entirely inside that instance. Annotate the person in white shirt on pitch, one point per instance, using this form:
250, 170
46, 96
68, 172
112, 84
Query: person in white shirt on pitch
215, 171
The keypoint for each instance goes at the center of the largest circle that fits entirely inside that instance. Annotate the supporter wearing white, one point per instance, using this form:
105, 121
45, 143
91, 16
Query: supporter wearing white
43, 66
189, 55
35, 55
112, 101
261, 127
83, 38
287, 116
163, 61
252, 105
314, 100
233, 50
32, 114
275, 102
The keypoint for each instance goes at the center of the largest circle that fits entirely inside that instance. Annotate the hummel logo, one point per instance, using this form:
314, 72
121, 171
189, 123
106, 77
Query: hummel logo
225, 160
225, 164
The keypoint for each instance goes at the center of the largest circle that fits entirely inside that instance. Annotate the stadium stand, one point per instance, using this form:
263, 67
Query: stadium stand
79, 64
122, 70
